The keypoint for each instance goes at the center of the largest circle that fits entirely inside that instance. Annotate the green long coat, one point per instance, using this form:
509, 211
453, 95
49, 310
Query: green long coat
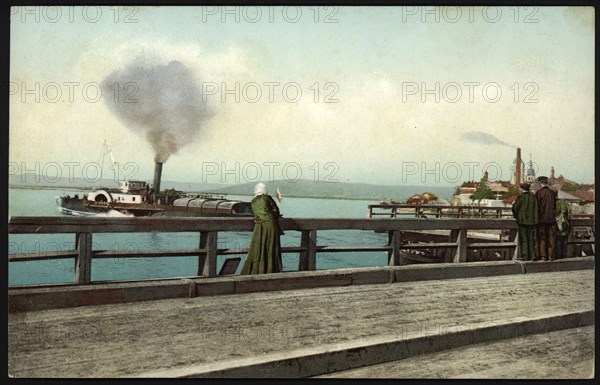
562, 218
525, 209
264, 254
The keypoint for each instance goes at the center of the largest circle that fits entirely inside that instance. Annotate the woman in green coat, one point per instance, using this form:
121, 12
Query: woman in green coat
264, 254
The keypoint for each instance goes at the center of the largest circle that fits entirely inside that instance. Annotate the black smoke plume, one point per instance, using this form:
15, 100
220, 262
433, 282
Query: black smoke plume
161, 102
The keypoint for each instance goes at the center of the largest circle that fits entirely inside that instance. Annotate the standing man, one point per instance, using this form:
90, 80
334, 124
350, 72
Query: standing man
526, 213
545, 231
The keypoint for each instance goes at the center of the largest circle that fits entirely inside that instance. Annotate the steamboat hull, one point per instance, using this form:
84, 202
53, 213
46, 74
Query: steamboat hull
209, 208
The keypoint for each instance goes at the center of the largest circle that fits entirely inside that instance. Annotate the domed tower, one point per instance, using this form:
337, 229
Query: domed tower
530, 176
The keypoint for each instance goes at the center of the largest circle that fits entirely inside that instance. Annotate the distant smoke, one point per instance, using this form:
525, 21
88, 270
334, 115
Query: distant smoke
483, 138
163, 103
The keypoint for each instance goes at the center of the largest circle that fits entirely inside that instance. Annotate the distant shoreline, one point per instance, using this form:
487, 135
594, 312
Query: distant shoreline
83, 189
35, 187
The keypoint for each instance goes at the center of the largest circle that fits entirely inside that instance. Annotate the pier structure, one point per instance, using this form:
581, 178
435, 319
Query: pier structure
357, 322
429, 211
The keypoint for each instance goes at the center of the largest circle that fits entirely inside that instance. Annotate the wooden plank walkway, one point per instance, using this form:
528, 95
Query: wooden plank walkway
188, 336
563, 354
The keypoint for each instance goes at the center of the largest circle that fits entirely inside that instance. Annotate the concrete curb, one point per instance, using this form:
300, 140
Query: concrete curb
560, 265
455, 270
22, 299
58, 297
338, 357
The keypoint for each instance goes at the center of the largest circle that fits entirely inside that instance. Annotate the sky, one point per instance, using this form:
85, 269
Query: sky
385, 95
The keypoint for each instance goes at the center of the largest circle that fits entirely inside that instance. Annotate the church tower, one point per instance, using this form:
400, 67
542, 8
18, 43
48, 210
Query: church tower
530, 178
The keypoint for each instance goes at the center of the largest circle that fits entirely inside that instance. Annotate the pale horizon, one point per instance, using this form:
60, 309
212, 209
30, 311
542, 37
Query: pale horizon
380, 95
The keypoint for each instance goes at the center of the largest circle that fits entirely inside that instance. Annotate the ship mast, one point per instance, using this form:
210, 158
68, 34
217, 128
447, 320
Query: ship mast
106, 150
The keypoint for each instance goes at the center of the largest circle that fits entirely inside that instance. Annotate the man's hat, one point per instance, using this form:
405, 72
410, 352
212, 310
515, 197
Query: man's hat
543, 179
525, 186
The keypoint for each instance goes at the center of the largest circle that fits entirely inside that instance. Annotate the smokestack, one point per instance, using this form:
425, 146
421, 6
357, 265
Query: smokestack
157, 175
518, 167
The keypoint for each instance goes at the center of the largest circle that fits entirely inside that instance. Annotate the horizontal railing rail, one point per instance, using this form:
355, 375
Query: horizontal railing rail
394, 210
209, 229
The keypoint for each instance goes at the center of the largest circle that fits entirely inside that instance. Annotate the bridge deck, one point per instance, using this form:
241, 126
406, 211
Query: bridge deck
563, 354
194, 336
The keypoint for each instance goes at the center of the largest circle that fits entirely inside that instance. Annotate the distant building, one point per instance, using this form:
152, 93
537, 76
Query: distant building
491, 203
415, 200
497, 188
467, 190
422, 199
530, 174
551, 178
429, 197
587, 196
568, 198
581, 197
510, 200
463, 198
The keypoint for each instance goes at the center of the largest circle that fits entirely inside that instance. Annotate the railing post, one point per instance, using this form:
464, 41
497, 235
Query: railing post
592, 230
308, 257
570, 247
394, 257
207, 261
513, 236
578, 249
202, 255
450, 252
83, 261
303, 256
461, 249
453, 235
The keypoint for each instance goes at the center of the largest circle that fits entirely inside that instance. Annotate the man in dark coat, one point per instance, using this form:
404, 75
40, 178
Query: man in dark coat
526, 213
545, 230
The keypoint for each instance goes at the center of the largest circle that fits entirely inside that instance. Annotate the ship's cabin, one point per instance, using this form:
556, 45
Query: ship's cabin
129, 186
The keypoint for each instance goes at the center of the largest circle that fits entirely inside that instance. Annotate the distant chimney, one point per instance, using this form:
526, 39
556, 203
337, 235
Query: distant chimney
552, 173
157, 176
518, 167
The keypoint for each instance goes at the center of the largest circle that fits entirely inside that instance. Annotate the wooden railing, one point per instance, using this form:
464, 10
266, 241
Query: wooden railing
437, 211
209, 228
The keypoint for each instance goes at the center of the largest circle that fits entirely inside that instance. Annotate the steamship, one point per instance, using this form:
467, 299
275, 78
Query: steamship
136, 198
